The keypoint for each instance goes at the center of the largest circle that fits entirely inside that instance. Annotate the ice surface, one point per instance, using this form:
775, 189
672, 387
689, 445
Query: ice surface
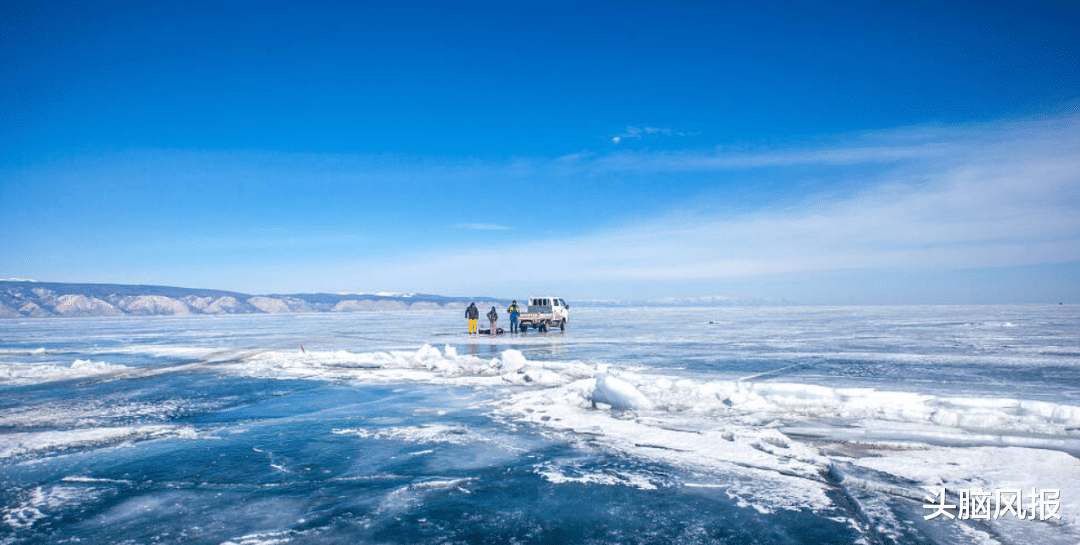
847, 416
22, 444
24, 373
420, 434
716, 425
426, 364
559, 474
40, 502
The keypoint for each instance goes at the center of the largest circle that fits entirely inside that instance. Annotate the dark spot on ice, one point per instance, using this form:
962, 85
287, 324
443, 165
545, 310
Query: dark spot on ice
775, 442
661, 447
727, 401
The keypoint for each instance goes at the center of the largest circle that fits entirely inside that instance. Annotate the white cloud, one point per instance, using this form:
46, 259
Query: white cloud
482, 226
965, 198
636, 132
914, 199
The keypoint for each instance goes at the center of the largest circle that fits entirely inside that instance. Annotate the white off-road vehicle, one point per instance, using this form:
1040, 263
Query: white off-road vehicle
545, 313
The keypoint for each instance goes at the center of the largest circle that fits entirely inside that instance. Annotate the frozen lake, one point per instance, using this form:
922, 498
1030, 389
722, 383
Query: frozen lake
703, 425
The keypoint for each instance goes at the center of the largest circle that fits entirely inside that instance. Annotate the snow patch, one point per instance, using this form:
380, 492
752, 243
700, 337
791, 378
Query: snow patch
21, 444
33, 310
223, 305
39, 503
988, 468
8, 312
151, 305
270, 305
33, 373
362, 305
90, 413
268, 538
426, 434
81, 305
560, 475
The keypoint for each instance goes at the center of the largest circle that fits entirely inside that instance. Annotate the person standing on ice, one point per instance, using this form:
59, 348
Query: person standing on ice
513, 311
494, 317
472, 314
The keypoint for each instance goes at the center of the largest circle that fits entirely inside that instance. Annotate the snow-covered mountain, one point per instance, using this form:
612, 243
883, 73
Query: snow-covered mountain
21, 298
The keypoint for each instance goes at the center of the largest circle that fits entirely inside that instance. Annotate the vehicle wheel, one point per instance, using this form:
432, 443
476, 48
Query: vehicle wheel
542, 328
562, 325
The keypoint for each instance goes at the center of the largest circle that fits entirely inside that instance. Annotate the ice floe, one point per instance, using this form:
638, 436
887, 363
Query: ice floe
426, 364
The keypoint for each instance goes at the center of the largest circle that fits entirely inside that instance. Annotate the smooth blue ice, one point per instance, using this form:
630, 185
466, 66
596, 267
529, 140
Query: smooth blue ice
635, 425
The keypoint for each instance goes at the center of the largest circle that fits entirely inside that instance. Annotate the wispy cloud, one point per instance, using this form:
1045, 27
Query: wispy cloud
912, 199
482, 226
883, 146
973, 197
638, 132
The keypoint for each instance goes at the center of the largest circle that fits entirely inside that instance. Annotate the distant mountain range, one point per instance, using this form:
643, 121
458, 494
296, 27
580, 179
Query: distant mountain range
20, 298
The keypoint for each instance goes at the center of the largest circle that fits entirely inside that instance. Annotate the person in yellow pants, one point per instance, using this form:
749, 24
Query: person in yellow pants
472, 314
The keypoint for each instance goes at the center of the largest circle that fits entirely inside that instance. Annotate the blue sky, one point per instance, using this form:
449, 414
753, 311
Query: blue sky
808, 152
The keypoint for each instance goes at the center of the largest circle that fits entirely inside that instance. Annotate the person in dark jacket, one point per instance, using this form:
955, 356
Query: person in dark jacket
472, 314
513, 311
494, 317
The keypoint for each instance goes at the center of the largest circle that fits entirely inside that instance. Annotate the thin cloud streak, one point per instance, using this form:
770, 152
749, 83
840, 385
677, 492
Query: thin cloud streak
976, 198
718, 161
483, 227
884, 146
638, 132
